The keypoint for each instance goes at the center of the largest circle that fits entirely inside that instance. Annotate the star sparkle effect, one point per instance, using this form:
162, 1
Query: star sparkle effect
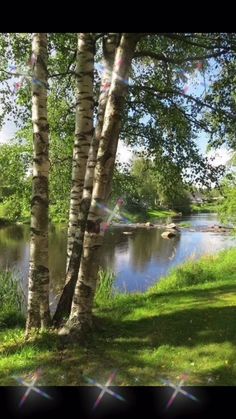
112, 213
25, 75
104, 389
178, 389
106, 85
31, 387
188, 79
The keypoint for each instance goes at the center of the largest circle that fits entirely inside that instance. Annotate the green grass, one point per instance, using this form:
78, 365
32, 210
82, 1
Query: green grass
11, 300
204, 208
132, 217
161, 213
104, 290
186, 323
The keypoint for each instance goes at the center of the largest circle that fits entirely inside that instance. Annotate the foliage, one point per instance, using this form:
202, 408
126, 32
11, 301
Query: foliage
125, 185
164, 119
222, 121
159, 116
227, 209
15, 185
148, 184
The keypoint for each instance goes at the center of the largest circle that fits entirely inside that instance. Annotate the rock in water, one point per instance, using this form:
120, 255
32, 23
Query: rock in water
172, 225
148, 224
168, 234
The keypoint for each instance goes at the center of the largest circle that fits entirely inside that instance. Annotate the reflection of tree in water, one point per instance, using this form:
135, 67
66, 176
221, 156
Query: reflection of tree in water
142, 248
147, 245
114, 242
57, 254
167, 249
12, 245
13, 234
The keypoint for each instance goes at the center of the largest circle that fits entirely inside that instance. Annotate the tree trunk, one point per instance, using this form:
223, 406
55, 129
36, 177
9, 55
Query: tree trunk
81, 312
64, 304
83, 129
38, 313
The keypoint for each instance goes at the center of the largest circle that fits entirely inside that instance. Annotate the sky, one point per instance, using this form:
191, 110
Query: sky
7, 132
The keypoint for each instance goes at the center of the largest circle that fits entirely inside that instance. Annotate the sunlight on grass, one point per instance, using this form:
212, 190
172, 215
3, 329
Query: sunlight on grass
161, 213
184, 323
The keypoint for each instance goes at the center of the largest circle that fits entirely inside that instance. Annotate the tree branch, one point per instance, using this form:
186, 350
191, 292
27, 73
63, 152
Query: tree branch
65, 73
179, 92
196, 44
162, 57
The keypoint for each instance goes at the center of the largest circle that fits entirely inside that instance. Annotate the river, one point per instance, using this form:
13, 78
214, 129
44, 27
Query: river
138, 260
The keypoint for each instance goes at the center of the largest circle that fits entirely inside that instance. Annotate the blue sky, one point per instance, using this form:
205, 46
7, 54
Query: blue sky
7, 132
202, 142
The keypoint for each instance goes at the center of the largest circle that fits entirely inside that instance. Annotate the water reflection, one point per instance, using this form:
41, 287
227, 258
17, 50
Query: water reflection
148, 245
12, 245
138, 259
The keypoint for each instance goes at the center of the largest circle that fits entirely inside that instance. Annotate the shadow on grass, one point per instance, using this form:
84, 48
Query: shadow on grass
122, 342
201, 325
11, 319
223, 375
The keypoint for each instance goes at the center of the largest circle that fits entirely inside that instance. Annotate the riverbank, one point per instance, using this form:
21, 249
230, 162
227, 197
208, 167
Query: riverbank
204, 208
151, 214
132, 217
183, 324
5, 222
161, 213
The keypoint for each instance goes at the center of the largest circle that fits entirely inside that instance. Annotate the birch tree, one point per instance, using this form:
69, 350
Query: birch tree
64, 305
83, 128
81, 311
38, 314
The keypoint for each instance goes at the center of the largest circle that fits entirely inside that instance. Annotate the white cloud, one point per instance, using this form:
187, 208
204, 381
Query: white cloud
222, 156
124, 153
7, 132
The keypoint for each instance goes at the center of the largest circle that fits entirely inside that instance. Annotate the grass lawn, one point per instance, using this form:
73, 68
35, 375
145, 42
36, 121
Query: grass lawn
185, 324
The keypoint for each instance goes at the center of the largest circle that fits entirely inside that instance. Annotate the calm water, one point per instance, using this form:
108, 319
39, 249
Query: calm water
138, 260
